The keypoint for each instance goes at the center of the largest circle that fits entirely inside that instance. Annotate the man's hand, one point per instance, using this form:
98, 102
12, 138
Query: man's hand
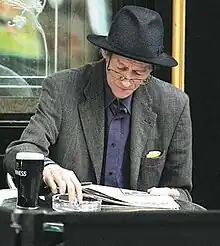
164, 191
60, 180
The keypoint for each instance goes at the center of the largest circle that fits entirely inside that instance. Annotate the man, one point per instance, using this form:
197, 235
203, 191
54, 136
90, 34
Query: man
111, 122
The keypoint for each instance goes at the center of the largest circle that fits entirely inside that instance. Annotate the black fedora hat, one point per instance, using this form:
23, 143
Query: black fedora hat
136, 33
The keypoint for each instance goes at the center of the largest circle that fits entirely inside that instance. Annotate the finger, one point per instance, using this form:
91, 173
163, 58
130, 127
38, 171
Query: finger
78, 187
48, 177
160, 191
150, 189
48, 180
174, 193
71, 190
79, 194
60, 183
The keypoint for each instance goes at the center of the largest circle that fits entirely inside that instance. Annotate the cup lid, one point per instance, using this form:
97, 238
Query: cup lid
29, 156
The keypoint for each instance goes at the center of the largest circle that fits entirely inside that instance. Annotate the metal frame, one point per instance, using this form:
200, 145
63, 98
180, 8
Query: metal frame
178, 42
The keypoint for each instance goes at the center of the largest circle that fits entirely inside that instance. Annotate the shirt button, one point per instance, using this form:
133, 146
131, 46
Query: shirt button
113, 145
110, 173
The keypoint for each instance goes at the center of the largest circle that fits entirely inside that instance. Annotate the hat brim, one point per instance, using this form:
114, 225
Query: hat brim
163, 59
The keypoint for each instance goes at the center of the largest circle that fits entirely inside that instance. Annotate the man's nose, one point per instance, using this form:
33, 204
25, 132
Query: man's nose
126, 82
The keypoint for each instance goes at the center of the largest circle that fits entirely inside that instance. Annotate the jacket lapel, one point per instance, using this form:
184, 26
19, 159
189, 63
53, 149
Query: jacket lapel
91, 111
142, 123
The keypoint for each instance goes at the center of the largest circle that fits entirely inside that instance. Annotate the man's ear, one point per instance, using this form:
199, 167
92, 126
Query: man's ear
104, 53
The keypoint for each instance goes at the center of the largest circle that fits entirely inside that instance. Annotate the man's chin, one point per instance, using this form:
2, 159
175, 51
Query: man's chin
122, 94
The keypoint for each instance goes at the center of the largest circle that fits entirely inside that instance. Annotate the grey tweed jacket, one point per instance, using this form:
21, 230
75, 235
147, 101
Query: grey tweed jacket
68, 128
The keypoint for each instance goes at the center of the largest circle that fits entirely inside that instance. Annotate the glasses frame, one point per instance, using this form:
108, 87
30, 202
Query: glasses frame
141, 81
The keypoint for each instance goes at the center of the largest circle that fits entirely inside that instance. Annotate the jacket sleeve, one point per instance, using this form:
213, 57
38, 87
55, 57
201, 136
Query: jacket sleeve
177, 172
42, 130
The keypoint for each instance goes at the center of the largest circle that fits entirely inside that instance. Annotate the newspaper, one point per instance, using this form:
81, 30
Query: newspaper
128, 197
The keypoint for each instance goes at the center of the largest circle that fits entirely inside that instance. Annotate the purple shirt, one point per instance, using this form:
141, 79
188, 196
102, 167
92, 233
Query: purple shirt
118, 113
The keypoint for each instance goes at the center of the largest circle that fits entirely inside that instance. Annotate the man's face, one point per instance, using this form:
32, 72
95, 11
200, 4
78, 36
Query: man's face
125, 75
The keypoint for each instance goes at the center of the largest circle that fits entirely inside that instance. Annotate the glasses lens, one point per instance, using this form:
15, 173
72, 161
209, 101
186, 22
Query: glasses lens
121, 77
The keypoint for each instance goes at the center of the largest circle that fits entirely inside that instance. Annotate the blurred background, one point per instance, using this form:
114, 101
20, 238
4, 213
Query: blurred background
39, 38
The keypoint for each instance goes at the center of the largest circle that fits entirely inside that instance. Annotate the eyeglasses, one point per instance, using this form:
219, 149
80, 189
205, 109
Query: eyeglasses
121, 77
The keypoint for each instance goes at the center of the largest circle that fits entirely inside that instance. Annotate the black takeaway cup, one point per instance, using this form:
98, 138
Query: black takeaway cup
28, 178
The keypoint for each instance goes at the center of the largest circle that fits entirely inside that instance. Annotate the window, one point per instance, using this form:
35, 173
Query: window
39, 38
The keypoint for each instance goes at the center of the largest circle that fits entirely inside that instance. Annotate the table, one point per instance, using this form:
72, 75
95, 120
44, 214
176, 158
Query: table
8, 199
44, 225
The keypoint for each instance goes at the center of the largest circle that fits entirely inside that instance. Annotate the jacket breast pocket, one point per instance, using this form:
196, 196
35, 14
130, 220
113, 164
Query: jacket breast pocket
150, 171
154, 161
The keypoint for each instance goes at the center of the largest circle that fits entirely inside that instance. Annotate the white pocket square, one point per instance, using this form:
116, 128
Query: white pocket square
153, 154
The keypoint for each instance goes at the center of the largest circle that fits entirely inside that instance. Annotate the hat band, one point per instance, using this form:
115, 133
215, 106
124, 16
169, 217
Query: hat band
151, 51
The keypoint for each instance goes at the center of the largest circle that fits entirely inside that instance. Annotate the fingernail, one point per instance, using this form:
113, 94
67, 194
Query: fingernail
54, 191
